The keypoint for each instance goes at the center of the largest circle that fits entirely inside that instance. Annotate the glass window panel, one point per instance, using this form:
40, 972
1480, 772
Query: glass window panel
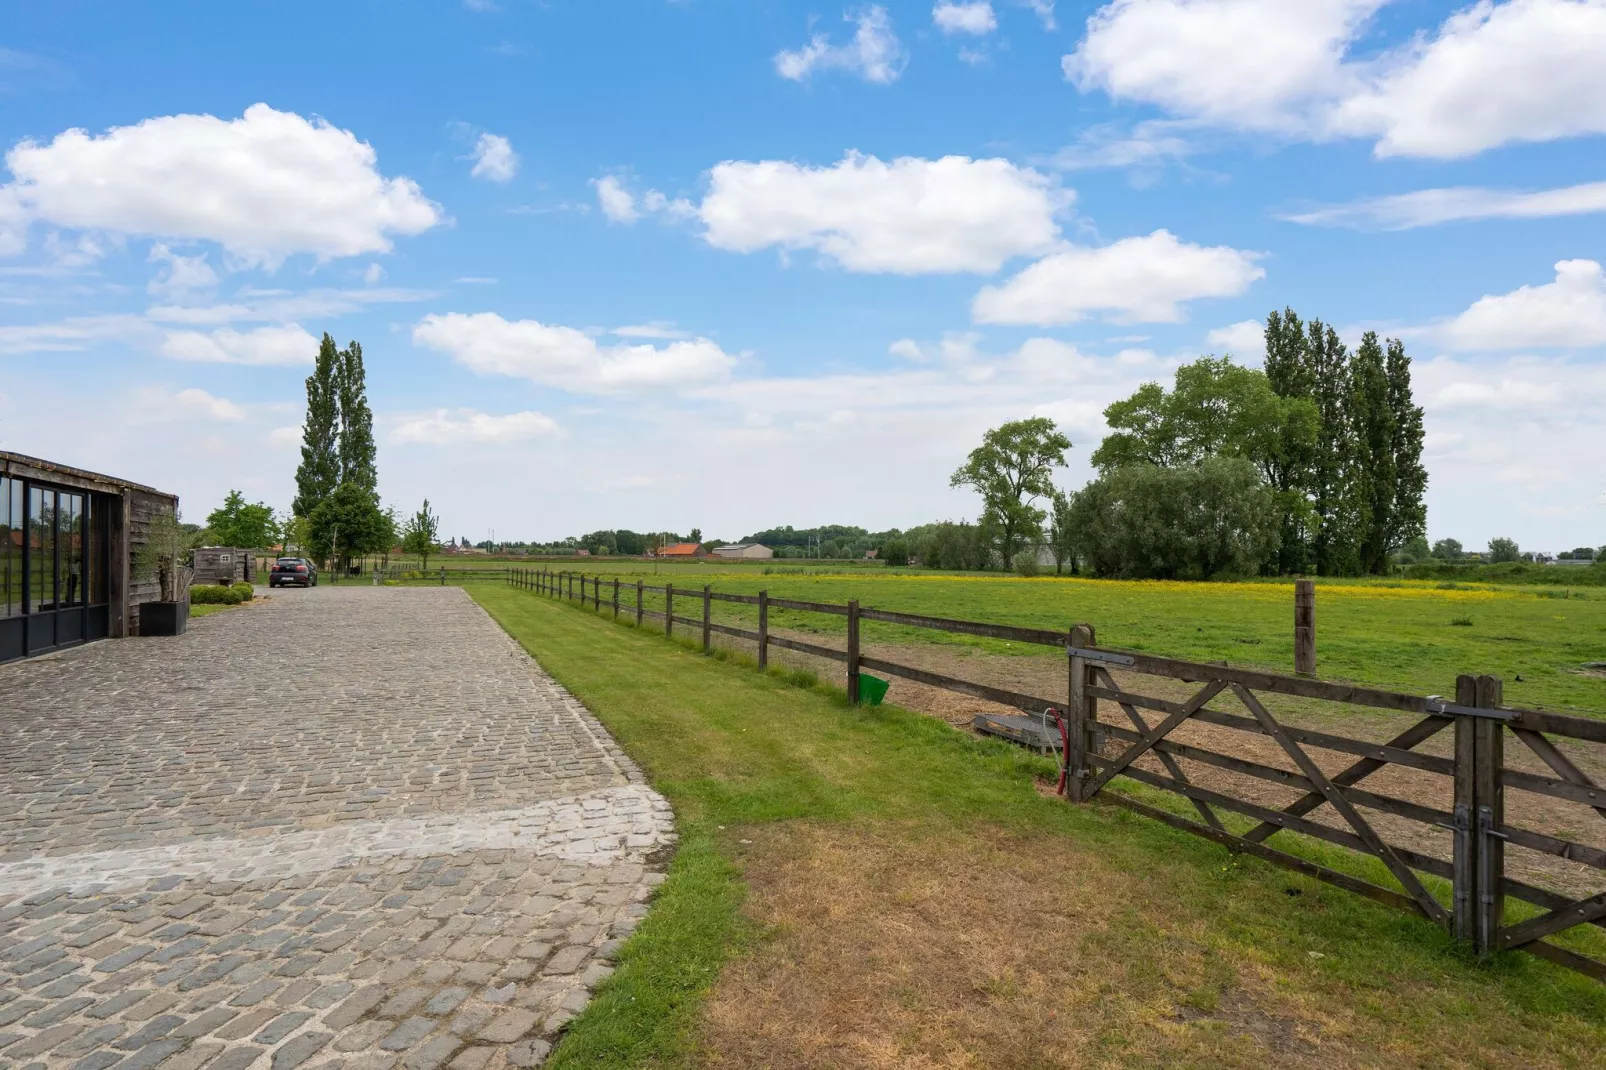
14, 546
8, 604
72, 550
41, 549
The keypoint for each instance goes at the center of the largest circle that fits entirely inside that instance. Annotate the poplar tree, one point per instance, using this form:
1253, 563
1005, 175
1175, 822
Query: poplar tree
356, 422
1373, 425
1409, 518
1333, 471
1289, 373
319, 472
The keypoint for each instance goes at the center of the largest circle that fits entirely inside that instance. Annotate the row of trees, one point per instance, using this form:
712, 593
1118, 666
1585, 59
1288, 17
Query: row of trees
1313, 465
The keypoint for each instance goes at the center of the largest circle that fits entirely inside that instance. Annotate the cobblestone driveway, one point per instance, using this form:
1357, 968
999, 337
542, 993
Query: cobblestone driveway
352, 826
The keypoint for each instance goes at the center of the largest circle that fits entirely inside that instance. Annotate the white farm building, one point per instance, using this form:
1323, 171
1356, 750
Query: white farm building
751, 551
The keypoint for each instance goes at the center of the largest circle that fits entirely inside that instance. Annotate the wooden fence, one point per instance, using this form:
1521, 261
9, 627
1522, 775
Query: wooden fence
1476, 777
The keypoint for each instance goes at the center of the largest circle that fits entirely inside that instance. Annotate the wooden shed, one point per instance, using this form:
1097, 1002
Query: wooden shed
224, 564
67, 544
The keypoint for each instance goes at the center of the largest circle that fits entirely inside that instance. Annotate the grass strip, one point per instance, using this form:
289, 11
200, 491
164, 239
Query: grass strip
736, 751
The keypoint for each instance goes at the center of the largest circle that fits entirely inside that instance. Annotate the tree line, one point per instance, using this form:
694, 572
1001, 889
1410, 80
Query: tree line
1311, 465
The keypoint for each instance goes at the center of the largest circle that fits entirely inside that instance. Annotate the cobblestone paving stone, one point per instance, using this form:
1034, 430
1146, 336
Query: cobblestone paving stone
352, 827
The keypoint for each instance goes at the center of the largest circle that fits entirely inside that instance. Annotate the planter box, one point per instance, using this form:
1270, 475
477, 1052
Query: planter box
164, 618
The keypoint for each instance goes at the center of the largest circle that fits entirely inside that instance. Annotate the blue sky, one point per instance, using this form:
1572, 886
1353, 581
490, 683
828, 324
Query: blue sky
729, 265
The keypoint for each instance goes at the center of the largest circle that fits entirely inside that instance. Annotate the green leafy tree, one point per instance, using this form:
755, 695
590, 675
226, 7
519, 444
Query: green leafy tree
319, 472
421, 533
1062, 541
1416, 551
1503, 550
1448, 550
1288, 372
1389, 477
348, 524
1011, 469
1372, 424
1216, 518
1218, 408
1215, 407
895, 552
165, 555
947, 545
696, 536
236, 523
1335, 495
357, 453
1409, 518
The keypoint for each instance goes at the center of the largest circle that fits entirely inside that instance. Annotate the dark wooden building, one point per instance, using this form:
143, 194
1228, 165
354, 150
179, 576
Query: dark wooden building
67, 544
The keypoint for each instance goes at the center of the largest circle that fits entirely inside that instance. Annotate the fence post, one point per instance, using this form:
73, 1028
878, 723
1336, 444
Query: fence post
616, 598
669, 609
1464, 865
638, 603
708, 603
853, 651
763, 630
1305, 627
1082, 713
1491, 900
443, 577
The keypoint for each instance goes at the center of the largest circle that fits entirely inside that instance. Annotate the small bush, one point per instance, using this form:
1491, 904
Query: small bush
208, 595
1025, 563
247, 592
1461, 622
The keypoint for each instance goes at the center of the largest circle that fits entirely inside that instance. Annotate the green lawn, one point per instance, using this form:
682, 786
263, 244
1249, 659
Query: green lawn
743, 755
1395, 634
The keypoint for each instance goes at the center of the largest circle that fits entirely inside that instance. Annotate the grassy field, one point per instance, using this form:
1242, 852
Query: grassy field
869, 887
1415, 636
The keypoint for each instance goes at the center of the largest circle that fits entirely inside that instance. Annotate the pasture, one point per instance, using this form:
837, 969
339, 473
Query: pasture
1409, 635
917, 889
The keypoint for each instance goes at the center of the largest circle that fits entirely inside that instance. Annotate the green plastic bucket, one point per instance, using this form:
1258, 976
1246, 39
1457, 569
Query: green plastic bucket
872, 689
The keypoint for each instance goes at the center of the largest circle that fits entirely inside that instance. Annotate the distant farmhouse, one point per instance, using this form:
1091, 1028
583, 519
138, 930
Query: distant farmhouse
682, 549
751, 551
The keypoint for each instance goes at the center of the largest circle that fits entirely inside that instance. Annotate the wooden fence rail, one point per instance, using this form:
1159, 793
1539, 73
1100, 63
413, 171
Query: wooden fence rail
1145, 751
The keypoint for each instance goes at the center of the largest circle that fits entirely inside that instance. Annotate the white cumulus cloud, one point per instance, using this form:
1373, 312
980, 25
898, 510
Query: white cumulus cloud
972, 18
280, 346
1526, 70
566, 358
494, 158
616, 201
198, 404
445, 427
1256, 63
1244, 340
908, 216
1569, 312
1135, 280
875, 53
1490, 74
265, 186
